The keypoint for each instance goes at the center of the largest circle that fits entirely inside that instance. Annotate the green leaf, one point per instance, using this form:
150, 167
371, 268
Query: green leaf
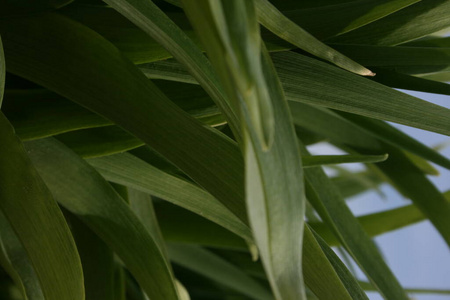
395, 137
97, 260
337, 17
412, 83
83, 192
16, 263
179, 225
319, 160
319, 274
271, 18
130, 171
47, 57
101, 141
38, 113
333, 210
147, 16
344, 274
377, 223
310, 81
385, 56
368, 287
37, 222
273, 165
415, 21
212, 266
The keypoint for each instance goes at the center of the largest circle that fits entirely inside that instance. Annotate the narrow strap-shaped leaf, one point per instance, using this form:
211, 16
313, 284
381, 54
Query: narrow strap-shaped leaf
344, 274
324, 85
369, 287
311, 81
37, 221
121, 93
319, 160
212, 266
130, 171
333, 210
408, 82
319, 274
97, 260
393, 136
147, 16
377, 223
271, 18
16, 263
415, 21
38, 113
338, 17
101, 141
82, 191
141, 204
384, 56
273, 165
179, 225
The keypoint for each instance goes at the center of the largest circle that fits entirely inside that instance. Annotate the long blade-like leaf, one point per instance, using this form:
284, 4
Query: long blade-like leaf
275, 21
82, 191
415, 21
273, 164
332, 208
45, 54
147, 16
36, 220
130, 171
212, 266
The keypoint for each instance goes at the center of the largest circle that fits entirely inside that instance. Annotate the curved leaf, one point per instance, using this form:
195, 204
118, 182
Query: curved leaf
82, 191
147, 16
212, 266
271, 18
130, 171
415, 21
121, 93
37, 221
229, 32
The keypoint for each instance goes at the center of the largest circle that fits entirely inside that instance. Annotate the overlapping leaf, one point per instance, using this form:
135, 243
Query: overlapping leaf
82, 191
37, 222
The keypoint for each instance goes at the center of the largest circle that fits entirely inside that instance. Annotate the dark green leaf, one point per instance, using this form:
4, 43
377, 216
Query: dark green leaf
82, 191
37, 222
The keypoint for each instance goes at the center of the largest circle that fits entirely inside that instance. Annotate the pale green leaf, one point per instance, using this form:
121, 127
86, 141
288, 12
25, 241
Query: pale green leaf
273, 165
